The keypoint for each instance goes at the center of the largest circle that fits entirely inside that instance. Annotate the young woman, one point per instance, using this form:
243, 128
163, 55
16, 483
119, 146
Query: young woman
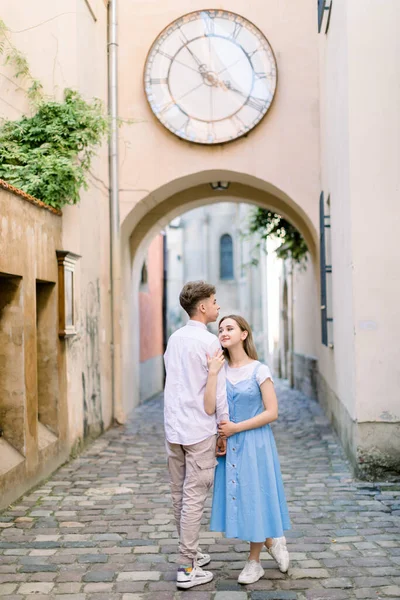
249, 501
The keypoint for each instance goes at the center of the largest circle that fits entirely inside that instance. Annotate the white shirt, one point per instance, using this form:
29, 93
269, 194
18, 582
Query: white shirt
237, 374
186, 422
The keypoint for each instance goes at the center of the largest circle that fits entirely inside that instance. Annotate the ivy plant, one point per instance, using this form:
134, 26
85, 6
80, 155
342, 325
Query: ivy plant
48, 154
18, 62
266, 223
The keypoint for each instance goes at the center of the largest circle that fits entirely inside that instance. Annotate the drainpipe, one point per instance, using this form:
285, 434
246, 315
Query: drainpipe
115, 237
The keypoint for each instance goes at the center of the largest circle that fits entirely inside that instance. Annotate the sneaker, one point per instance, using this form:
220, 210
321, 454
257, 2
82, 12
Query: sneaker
188, 577
202, 559
280, 553
251, 573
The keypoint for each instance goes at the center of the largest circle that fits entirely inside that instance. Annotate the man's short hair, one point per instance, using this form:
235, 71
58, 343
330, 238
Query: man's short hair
194, 292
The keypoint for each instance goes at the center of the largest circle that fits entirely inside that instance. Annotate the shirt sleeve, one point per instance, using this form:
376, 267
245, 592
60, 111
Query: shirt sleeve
221, 405
263, 374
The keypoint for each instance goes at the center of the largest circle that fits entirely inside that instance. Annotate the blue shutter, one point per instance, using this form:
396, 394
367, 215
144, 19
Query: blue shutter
321, 9
326, 320
324, 312
226, 257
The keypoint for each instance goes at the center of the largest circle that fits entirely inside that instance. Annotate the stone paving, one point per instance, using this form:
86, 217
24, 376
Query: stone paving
101, 527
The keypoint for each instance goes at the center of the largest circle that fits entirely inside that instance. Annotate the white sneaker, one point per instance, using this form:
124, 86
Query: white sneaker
189, 577
280, 553
202, 558
251, 573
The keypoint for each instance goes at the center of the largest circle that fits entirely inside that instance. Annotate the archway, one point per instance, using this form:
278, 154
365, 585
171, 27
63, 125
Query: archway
155, 211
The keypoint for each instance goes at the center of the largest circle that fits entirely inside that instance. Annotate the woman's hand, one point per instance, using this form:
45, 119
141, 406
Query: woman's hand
227, 428
216, 362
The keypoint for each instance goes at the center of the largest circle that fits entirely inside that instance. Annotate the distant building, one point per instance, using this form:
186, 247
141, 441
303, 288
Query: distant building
208, 243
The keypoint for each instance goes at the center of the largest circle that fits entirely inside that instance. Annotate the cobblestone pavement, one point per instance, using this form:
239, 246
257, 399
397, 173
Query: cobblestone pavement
101, 527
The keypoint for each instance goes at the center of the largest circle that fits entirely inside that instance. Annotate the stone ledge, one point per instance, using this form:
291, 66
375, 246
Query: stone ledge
10, 188
10, 457
45, 436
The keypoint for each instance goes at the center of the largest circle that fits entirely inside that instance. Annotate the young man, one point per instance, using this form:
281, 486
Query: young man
190, 431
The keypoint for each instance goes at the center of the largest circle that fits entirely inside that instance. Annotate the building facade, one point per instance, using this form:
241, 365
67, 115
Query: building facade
328, 130
58, 394
324, 156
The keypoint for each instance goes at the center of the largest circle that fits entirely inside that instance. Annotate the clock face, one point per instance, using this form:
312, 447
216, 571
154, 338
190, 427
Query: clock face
210, 77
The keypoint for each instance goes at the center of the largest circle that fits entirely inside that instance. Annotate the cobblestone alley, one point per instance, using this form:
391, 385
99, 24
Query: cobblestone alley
101, 528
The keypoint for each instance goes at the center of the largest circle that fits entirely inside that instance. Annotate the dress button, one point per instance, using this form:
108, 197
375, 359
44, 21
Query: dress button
233, 466
233, 498
233, 449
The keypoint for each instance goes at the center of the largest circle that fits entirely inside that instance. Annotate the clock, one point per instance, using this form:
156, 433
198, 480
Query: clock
210, 77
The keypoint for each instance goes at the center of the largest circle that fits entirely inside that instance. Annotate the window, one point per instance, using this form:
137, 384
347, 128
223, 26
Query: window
226, 257
323, 6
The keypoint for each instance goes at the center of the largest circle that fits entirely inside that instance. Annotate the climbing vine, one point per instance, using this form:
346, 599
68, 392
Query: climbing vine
17, 60
49, 154
266, 223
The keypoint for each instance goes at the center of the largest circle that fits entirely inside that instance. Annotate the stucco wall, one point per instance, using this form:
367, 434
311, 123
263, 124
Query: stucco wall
160, 173
283, 150
63, 41
360, 154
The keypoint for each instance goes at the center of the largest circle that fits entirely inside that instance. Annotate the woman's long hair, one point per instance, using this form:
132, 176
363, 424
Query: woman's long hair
248, 344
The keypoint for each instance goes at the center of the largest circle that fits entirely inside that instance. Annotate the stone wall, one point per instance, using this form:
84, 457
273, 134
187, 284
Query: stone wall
305, 371
373, 448
33, 414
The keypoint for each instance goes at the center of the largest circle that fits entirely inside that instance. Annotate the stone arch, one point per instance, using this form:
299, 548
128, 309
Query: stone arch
155, 211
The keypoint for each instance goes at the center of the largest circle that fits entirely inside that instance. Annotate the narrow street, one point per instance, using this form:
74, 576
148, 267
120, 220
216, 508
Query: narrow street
101, 528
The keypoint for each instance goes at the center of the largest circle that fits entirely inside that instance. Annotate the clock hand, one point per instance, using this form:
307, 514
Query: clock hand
231, 65
189, 92
185, 65
197, 60
252, 101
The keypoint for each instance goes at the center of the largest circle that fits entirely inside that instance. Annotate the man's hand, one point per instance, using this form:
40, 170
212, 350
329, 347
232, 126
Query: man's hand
227, 428
221, 447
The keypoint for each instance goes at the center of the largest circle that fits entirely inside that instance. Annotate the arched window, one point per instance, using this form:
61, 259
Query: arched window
226, 257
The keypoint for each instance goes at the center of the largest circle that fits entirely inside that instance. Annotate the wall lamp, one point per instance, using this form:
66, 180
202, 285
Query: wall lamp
220, 186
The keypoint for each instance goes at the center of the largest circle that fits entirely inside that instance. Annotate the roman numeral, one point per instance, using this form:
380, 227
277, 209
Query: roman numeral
211, 131
167, 106
158, 81
209, 25
235, 33
238, 123
255, 103
184, 37
165, 54
251, 54
185, 126
260, 75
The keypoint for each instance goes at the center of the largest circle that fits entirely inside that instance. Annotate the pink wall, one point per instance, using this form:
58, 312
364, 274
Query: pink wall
150, 303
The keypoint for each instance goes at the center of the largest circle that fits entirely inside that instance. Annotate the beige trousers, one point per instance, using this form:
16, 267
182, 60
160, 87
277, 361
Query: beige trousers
191, 470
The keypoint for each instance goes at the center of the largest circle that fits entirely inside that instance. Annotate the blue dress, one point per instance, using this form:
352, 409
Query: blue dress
249, 500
